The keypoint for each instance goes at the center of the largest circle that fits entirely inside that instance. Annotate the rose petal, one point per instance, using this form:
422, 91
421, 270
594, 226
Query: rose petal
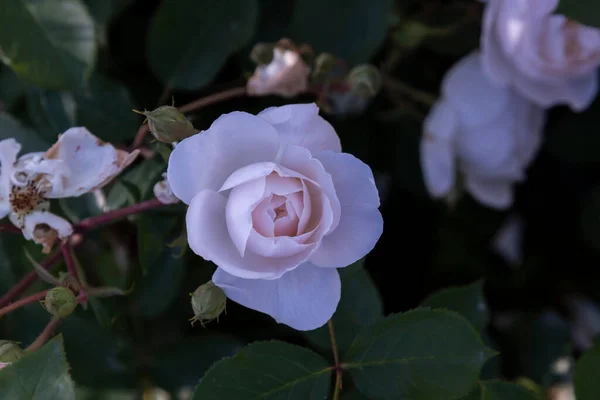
204, 161
304, 298
90, 163
60, 228
437, 149
208, 237
9, 148
301, 125
283, 246
361, 223
238, 212
497, 194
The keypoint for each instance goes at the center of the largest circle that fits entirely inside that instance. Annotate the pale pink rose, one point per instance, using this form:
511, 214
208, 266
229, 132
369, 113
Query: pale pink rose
546, 57
277, 206
488, 134
286, 75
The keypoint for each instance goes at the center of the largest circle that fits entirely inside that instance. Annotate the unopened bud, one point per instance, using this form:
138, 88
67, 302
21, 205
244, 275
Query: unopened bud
10, 351
262, 53
163, 191
324, 65
208, 302
168, 124
365, 80
411, 34
60, 301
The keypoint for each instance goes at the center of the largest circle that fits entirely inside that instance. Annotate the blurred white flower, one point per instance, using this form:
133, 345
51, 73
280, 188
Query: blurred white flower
489, 133
546, 57
286, 75
585, 322
508, 241
163, 191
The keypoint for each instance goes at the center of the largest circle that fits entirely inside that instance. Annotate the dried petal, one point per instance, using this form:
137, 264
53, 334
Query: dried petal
45, 228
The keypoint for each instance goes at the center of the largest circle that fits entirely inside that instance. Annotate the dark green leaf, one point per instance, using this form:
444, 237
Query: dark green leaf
421, 355
135, 184
267, 370
350, 29
188, 42
583, 11
359, 306
103, 11
11, 88
41, 375
104, 107
468, 301
499, 390
587, 385
29, 139
50, 43
52, 112
184, 363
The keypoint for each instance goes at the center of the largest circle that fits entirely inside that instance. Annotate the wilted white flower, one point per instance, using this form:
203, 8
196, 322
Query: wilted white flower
489, 133
546, 57
286, 75
76, 164
163, 191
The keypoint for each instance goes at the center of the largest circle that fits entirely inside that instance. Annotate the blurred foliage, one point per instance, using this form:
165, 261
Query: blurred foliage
89, 62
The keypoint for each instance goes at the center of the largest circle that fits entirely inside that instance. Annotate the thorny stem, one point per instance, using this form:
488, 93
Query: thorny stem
22, 302
45, 335
336, 360
94, 222
194, 105
28, 280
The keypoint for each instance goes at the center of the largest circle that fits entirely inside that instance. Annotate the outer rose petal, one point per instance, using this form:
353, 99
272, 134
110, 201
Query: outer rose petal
205, 160
497, 194
437, 149
301, 125
361, 223
208, 237
304, 298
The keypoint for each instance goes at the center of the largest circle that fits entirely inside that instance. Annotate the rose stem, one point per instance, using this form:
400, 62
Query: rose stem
194, 105
31, 277
65, 248
421, 96
94, 222
45, 335
336, 360
23, 302
9, 228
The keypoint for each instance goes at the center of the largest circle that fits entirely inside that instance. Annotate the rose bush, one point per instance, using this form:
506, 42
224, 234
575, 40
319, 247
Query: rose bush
548, 58
277, 207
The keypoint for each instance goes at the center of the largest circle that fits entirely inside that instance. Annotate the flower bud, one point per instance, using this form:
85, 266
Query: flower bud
208, 302
168, 124
163, 191
324, 65
60, 301
10, 351
365, 80
262, 53
412, 34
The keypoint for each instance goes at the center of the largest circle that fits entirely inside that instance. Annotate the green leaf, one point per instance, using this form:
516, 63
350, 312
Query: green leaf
50, 43
499, 390
103, 11
104, 107
587, 385
267, 370
189, 42
11, 88
359, 306
41, 375
52, 112
29, 139
350, 29
468, 301
422, 354
586, 12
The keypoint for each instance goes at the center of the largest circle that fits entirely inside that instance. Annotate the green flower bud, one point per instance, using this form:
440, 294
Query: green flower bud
412, 34
168, 124
262, 53
60, 301
208, 302
10, 351
365, 80
324, 65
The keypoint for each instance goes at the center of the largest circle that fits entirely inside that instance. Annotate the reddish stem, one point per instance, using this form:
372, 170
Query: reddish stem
9, 228
111, 216
65, 248
23, 302
45, 335
28, 280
